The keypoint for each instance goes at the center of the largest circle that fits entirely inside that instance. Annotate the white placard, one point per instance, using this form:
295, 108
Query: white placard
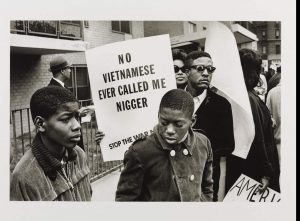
246, 189
127, 81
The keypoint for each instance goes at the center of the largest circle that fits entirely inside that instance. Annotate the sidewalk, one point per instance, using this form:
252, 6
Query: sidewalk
105, 188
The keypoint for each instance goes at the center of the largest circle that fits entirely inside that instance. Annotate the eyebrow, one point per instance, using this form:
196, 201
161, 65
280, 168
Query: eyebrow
177, 120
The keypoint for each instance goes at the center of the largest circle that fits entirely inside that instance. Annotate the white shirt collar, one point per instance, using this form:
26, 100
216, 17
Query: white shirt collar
199, 99
59, 81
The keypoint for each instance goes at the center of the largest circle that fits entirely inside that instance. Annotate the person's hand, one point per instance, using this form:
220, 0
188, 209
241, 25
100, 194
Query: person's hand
99, 136
265, 184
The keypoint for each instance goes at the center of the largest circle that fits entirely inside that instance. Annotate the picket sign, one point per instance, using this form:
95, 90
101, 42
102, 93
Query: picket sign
128, 80
246, 189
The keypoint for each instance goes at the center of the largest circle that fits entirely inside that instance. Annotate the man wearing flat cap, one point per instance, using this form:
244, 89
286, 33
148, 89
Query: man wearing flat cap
61, 70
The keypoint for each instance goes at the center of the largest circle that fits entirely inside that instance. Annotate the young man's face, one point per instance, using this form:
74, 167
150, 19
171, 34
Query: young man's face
181, 77
200, 80
173, 125
63, 128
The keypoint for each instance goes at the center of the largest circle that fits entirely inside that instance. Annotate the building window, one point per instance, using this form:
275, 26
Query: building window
264, 49
121, 26
52, 29
71, 29
86, 24
277, 33
203, 28
192, 27
278, 49
79, 83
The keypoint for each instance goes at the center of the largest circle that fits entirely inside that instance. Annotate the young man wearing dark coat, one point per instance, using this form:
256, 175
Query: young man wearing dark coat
172, 164
214, 115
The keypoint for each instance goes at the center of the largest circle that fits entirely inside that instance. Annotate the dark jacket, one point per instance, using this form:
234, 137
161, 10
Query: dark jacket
40, 177
262, 159
54, 83
214, 117
151, 174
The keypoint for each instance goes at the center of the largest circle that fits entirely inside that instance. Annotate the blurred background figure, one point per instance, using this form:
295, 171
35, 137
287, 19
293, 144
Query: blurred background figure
180, 70
271, 71
275, 79
274, 105
262, 162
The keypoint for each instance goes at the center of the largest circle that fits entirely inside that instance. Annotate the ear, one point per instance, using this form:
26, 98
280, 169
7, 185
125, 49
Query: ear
194, 119
40, 123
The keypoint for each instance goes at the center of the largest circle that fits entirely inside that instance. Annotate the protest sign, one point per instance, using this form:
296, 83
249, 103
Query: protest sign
127, 81
246, 189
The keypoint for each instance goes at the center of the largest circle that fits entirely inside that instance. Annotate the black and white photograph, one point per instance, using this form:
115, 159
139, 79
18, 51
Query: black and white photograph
177, 114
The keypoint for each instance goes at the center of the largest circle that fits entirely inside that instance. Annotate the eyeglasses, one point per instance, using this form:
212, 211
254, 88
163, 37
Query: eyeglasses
201, 68
184, 69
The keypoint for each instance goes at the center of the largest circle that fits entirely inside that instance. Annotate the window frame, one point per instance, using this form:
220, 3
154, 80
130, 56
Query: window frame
120, 27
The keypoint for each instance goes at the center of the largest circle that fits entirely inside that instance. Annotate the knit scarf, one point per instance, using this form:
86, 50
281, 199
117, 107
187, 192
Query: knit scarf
46, 160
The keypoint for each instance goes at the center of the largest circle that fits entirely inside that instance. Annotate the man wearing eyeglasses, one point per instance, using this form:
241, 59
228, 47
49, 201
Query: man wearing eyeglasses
214, 115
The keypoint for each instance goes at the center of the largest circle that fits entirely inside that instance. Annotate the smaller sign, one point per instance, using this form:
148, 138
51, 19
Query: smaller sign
246, 189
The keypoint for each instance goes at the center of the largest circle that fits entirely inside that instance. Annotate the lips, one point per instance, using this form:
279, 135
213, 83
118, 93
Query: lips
75, 137
204, 81
170, 139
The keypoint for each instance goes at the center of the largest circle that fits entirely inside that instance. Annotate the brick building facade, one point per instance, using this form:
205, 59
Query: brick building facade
31, 52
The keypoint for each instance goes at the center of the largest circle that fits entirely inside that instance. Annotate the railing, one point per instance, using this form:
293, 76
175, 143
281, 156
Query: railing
52, 29
23, 132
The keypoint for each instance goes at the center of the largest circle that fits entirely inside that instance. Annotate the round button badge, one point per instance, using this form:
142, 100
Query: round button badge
192, 177
172, 153
185, 152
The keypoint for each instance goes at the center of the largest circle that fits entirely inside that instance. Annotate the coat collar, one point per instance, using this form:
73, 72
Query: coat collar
188, 143
49, 163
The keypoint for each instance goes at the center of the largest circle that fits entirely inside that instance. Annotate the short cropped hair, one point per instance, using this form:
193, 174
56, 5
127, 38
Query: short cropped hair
178, 99
195, 55
251, 65
47, 100
179, 54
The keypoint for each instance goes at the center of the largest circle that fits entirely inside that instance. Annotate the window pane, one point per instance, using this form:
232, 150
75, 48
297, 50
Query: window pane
81, 76
83, 93
17, 25
278, 49
71, 22
47, 27
115, 25
125, 27
70, 29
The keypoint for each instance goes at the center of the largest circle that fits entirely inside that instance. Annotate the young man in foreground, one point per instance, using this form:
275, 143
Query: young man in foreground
172, 164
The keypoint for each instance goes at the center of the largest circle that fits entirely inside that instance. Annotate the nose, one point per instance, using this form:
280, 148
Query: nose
205, 72
170, 129
75, 124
